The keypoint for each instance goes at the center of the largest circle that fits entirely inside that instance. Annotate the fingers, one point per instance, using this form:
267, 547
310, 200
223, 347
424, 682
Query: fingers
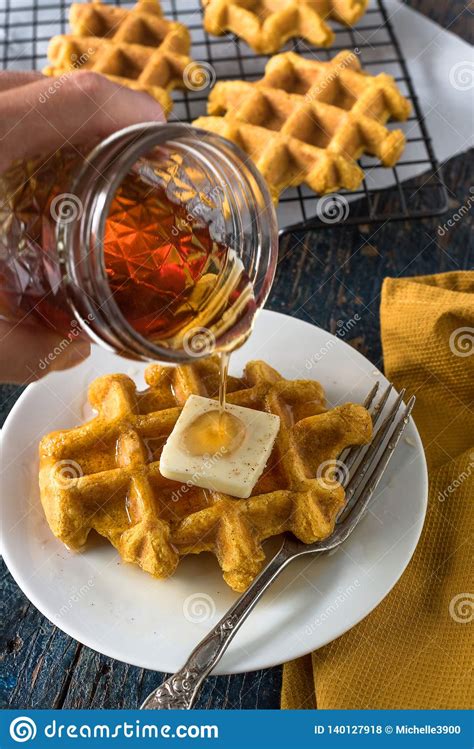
30, 352
73, 355
16, 78
38, 118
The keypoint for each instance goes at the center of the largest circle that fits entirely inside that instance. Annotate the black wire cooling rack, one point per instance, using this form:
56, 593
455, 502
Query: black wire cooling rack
414, 188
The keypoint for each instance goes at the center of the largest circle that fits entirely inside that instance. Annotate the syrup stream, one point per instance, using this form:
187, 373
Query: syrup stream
224, 358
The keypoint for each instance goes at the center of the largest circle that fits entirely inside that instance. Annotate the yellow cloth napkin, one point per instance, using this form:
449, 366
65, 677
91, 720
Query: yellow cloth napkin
415, 649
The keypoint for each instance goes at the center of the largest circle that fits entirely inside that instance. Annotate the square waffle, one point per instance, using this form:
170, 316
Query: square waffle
135, 47
105, 475
307, 121
267, 24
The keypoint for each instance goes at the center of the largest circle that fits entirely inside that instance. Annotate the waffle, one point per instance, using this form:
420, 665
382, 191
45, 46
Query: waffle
105, 475
307, 121
137, 47
266, 25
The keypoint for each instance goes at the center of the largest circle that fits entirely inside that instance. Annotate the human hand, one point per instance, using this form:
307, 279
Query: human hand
85, 107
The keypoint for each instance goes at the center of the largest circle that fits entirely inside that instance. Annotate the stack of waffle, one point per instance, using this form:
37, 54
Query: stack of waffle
105, 475
307, 121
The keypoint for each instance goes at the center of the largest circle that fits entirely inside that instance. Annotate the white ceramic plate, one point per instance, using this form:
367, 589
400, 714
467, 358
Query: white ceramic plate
124, 613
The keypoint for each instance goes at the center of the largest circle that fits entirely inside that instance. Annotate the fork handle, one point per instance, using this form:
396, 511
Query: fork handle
181, 690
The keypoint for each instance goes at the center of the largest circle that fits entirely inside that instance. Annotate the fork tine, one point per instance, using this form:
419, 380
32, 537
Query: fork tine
371, 395
350, 519
381, 404
377, 440
350, 454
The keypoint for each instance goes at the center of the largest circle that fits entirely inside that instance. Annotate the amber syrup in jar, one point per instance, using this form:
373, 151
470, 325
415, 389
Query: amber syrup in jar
163, 267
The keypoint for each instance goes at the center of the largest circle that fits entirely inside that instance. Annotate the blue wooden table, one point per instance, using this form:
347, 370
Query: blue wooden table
41, 666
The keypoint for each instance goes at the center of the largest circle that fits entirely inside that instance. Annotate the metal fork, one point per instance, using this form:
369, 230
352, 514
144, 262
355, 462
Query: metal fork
364, 467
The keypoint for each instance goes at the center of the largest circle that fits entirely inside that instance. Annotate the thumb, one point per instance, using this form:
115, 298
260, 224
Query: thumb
40, 118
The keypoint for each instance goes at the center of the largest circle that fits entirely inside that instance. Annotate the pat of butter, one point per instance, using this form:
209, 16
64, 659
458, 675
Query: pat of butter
232, 472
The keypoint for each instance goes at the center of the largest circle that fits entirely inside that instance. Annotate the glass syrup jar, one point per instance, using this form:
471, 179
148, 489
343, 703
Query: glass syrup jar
160, 242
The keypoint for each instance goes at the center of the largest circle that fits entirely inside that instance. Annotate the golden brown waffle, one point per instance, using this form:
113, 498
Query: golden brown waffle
105, 475
267, 24
135, 47
307, 121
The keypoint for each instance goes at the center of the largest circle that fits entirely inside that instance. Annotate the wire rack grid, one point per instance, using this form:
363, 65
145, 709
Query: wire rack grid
414, 188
